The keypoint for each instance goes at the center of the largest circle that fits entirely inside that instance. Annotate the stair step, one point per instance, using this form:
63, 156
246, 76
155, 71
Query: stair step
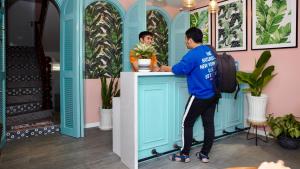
23, 66
24, 91
23, 73
38, 129
20, 49
13, 100
28, 118
23, 108
21, 60
22, 78
29, 84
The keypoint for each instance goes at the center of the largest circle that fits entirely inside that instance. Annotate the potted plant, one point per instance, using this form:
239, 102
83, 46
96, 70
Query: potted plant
286, 129
144, 52
108, 91
256, 81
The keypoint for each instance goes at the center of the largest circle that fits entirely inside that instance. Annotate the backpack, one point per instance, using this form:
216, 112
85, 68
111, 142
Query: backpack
225, 79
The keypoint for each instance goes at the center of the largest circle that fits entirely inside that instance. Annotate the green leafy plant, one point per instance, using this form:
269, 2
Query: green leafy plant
269, 27
109, 90
287, 126
259, 77
144, 51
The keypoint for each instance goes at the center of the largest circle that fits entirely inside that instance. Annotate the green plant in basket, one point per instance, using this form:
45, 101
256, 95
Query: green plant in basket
144, 51
284, 126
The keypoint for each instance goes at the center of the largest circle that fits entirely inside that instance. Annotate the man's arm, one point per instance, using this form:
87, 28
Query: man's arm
134, 66
164, 68
133, 62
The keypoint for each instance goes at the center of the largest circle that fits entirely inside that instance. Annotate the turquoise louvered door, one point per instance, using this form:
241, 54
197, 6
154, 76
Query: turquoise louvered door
179, 25
135, 22
71, 68
2, 74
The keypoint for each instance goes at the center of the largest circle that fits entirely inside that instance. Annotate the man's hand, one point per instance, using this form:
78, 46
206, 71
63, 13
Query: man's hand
155, 68
164, 68
272, 165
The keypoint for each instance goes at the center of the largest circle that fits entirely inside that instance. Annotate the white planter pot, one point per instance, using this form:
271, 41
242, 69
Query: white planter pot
116, 125
105, 119
144, 65
257, 108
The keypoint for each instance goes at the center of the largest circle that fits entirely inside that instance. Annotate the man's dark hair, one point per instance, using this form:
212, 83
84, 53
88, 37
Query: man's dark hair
145, 33
195, 34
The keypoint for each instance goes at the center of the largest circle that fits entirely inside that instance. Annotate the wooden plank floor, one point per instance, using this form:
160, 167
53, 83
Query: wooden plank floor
95, 152
62, 152
232, 151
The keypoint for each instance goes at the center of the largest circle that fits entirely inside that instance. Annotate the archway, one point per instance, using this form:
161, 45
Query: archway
158, 24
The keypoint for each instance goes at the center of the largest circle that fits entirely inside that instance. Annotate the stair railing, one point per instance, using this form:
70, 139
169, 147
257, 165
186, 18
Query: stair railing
44, 61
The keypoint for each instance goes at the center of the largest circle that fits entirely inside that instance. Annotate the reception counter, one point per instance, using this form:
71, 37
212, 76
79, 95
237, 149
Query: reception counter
152, 105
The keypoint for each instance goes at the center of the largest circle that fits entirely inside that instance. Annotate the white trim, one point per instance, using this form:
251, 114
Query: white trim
92, 125
129, 119
183, 119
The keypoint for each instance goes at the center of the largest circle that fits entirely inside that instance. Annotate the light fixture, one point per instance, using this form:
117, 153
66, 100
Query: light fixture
213, 6
188, 3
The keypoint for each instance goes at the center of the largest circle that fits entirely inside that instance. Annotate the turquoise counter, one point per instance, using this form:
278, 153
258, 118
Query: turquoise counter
152, 105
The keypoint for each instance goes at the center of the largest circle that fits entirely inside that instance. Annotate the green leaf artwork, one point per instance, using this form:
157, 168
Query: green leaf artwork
231, 28
200, 19
271, 25
103, 41
157, 24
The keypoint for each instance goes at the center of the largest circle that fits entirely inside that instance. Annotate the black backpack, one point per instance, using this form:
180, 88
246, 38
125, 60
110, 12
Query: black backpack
225, 79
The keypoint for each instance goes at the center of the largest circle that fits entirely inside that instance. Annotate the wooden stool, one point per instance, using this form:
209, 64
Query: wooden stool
255, 125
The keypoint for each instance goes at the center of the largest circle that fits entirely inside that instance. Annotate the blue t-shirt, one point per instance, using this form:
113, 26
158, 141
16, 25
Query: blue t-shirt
199, 67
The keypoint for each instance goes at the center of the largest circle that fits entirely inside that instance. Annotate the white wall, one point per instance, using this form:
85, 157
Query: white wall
20, 31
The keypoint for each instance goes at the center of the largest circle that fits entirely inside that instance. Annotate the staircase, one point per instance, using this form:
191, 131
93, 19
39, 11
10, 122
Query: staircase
26, 111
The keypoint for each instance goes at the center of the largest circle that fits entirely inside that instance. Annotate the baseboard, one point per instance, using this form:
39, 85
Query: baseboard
92, 125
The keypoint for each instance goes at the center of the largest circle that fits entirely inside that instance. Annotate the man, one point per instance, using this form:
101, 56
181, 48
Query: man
145, 37
198, 65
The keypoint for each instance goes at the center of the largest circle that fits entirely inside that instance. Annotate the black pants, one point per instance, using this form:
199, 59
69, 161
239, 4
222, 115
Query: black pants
194, 108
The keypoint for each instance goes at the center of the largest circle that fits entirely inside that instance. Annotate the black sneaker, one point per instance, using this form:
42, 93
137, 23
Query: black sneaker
180, 158
202, 157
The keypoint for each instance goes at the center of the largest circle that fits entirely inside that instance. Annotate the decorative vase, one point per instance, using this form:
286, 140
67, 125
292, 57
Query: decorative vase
257, 108
144, 65
288, 143
105, 119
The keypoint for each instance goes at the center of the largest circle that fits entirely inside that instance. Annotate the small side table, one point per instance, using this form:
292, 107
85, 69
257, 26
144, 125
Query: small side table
256, 125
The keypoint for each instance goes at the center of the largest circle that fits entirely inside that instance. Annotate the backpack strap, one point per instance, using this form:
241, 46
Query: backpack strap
237, 91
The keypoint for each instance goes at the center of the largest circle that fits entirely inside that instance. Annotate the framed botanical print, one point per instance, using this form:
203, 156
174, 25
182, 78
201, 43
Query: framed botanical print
231, 26
200, 18
274, 24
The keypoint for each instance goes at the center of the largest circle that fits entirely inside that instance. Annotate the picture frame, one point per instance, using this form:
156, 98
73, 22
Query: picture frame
201, 18
231, 26
282, 32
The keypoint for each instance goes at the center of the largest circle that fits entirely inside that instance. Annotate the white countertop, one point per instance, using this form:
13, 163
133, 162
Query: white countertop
149, 73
